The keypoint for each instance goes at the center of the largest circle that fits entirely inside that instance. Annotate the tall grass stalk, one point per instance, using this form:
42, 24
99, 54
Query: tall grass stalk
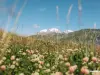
6, 44
68, 16
4, 35
57, 13
94, 50
8, 21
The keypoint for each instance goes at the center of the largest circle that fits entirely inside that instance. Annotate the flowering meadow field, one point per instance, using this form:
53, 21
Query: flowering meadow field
49, 51
31, 56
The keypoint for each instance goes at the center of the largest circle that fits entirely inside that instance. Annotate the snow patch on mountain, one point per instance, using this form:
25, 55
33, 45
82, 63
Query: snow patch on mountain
68, 31
43, 31
53, 30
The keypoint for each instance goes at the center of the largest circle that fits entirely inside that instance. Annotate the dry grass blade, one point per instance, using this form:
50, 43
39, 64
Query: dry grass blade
69, 12
6, 44
9, 19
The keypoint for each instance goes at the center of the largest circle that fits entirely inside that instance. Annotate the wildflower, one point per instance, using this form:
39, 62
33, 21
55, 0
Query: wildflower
28, 51
47, 70
84, 70
17, 59
90, 63
94, 59
75, 67
14, 62
53, 67
99, 60
4, 58
65, 56
12, 57
91, 53
52, 73
58, 73
12, 66
3, 67
1, 61
36, 73
36, 59
61, 62
37, 51
40, 66
21, 74
23, 53
48, 65
65, 59
32, 51
71, 69
17, 64
86, 59
41, 62
60, 57
41, 56
67, 64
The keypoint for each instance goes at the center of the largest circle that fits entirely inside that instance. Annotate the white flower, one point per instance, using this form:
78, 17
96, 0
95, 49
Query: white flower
12, 57
12, 66
36, 59
17, 59
53, 67
1, 61
23, 53
59, 73
48, 65
41, 56
4, 58
36, 73
32, 60
21, 74
52, 73
14, 62
17, 64
9, 51
40, 66
60, 57
67, 73
20, 51
47, 70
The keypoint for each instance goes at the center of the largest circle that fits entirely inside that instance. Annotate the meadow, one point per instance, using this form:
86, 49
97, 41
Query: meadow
34, 55
54, 54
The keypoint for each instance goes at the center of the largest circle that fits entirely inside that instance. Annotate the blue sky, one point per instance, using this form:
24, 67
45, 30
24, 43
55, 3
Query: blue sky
41, 14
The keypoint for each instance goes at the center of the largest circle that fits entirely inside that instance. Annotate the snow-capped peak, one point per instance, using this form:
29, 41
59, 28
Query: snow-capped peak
68, 31
43, 31
54, 30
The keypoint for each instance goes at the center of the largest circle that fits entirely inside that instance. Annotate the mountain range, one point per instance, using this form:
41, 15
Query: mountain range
53, 30
88, 35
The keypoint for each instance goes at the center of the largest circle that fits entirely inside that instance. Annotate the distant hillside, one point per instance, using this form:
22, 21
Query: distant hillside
81, 35
84, 35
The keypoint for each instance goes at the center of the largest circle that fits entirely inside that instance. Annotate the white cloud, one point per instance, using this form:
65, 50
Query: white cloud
42, 9
36, 26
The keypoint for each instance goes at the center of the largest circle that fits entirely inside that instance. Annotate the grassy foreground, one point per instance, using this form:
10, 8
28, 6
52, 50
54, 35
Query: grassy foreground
30, 56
